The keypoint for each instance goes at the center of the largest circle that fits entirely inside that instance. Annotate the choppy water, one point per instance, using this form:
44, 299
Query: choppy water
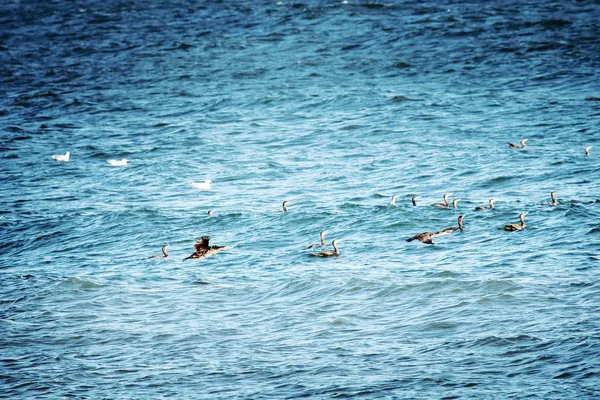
334, 107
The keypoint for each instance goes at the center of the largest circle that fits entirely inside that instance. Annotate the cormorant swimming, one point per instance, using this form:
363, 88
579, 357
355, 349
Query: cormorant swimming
426, 237
319, 244
393, 202
202, 249
587, 150
521, 146
445, 204
66, 156
163, 255
285, 203
484, 207
452, 228
517, 227
328, 253
414, 200
210, 212
455, 202
554, 202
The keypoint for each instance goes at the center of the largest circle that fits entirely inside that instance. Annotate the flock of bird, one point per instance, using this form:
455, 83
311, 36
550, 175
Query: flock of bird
203, 249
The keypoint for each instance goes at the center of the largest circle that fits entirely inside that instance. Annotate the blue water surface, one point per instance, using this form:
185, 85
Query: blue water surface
335, 107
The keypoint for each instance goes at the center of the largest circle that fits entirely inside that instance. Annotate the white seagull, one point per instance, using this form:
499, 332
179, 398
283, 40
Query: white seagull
60, 157
202, 185
118, 163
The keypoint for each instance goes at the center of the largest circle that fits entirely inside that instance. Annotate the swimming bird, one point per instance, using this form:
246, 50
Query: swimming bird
587, 151
452, 228
455, 202
60, 157
393, 202
414, 200
517, 227
202, 249
445, 204
317, 244
426, 237
118, 163
484, 207
285, 203
328, 253
210, 212
521, 146
202, 185
163, 255
553, 202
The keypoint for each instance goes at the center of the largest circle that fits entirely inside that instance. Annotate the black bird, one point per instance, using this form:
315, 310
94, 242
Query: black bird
319, 244
163, 255
426, 237
521, 146
517, 227
202, 249
328, 253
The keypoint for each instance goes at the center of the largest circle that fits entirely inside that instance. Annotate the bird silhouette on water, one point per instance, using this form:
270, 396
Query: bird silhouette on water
426, 237
202, 249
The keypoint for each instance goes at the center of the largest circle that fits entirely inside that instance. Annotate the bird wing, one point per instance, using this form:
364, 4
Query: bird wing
201, 244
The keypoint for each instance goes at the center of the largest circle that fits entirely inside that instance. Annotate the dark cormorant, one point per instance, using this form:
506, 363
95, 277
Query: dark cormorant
202, 249
484, 207
319, 244
445, 204
554, 202
163, 255
452, 228
587, 150
517, 227
521, 146
426, 237
285, 203
328, 253
414, 200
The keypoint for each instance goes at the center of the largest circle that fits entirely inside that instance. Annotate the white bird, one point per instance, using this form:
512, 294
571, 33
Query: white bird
118, 163
202, 185
59, 157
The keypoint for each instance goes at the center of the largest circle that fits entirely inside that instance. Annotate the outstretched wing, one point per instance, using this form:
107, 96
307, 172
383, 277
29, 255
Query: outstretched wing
201, 244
